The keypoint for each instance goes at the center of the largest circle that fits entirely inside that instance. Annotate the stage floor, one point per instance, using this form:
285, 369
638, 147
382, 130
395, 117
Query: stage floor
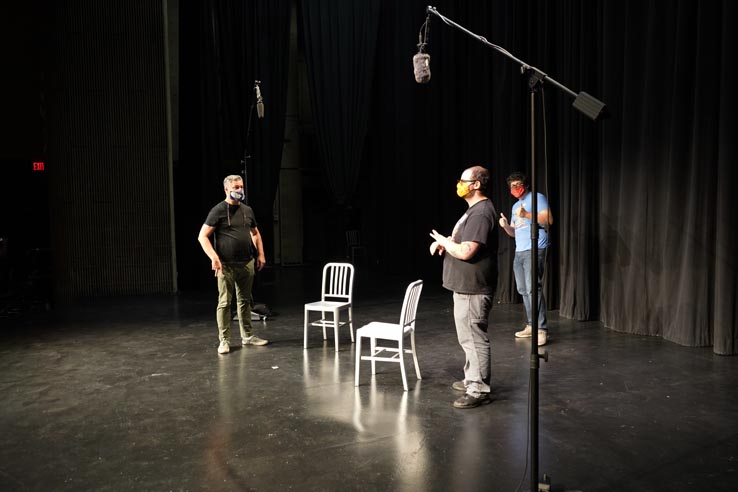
130, 394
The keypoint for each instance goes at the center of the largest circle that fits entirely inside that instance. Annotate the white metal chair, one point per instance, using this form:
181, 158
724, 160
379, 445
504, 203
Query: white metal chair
337, 295
392, 331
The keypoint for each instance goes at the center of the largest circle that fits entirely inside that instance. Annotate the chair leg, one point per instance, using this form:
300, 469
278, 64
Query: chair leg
358, 362
305, 336
322, 317
415, 356
401, 353
373, 353
351, 323
336, 321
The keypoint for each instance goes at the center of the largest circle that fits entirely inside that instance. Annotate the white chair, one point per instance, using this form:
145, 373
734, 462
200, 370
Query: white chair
392, 331
337, 295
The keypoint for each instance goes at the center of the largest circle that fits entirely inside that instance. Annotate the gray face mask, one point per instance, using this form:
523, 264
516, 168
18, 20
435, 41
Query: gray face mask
237, 195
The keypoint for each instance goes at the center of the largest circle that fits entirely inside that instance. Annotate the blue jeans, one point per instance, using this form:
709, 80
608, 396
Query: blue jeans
471, 314
521, 267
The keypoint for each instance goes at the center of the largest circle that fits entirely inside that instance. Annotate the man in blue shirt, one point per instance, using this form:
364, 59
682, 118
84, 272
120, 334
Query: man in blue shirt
522, 219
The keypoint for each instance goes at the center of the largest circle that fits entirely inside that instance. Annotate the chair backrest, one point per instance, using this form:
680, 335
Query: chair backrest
353, 238
410, 305
338, 281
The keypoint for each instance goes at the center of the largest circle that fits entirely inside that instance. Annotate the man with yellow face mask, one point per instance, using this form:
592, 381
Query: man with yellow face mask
470, 272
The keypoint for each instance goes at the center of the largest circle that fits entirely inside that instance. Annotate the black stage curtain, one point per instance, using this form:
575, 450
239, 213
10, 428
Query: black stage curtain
339, 41
227, 45
668, 234
423, 136
644, 237
724, 263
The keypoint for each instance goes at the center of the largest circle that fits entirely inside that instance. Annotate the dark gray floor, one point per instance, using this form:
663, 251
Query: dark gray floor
131, 395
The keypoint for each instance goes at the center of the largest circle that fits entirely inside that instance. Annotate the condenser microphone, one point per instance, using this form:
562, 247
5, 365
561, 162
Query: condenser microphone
421, 67
259, 100
421, 61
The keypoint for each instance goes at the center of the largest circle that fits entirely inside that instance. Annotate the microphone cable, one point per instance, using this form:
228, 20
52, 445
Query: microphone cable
423, 34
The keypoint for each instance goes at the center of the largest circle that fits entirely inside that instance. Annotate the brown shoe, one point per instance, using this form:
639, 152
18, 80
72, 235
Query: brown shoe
469, 401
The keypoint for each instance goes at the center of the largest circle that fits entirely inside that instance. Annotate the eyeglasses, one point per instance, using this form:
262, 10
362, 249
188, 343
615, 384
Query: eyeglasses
467, 181
517, 185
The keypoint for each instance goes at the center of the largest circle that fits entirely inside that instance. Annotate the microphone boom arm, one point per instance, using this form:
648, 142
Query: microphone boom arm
583, 102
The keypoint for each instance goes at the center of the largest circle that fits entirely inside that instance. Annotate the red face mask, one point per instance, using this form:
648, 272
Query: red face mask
517, 191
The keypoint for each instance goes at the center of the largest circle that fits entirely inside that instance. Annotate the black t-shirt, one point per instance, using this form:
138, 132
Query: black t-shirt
477, 275
233, 225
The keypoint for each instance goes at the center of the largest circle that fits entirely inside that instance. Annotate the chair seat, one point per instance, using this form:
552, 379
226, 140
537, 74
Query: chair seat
385, 331
327, 305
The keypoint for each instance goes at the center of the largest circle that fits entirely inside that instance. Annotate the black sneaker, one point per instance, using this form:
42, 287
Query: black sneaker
469, 401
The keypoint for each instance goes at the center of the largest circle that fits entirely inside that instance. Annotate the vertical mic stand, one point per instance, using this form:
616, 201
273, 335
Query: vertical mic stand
246, 155
595, 110
245, 163
534, 84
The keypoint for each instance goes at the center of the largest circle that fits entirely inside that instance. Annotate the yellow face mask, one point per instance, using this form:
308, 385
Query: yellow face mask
462, 188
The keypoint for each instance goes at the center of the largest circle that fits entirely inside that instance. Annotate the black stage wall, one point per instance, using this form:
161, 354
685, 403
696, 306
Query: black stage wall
97, 117
644, 237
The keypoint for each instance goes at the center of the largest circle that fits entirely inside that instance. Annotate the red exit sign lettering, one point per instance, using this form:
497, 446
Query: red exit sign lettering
38, 166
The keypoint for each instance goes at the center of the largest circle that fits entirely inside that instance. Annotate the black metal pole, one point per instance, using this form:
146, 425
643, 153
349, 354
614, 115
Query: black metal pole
534, 362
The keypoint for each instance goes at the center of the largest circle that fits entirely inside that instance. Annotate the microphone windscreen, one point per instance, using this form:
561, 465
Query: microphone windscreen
421, 68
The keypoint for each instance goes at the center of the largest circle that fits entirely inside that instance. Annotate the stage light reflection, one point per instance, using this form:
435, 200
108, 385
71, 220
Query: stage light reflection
380, 414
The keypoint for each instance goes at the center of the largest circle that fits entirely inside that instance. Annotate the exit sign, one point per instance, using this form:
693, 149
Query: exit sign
38, 166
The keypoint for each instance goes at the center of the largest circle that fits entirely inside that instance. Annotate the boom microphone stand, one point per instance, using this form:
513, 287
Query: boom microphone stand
593, 109
256, 102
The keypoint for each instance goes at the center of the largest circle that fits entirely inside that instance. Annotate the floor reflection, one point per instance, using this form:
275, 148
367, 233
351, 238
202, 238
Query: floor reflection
327, 377
217, 448
381, 412
219, 452
325, 367
381, 415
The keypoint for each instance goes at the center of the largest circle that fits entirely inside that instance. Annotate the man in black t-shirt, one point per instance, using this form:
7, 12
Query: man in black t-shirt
470, 272
238, 250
